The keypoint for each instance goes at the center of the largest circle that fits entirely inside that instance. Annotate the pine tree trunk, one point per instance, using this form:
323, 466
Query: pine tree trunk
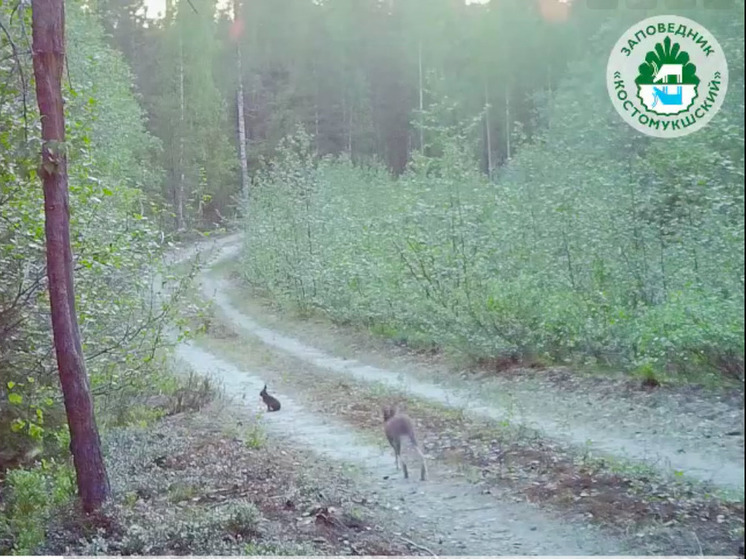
48, 25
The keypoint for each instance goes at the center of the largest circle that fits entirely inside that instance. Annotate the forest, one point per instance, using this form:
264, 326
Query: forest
430, 204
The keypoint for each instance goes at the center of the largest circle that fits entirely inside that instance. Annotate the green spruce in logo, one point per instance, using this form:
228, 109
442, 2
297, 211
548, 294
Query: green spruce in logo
667, 82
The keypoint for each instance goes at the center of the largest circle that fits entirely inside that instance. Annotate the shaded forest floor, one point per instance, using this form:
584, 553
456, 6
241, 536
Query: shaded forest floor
539, 461
208, 482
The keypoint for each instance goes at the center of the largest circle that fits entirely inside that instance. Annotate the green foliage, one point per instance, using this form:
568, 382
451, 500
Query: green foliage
179, 492
142, 415
596, 243
255, 437
30, 497
349, 72
113, 186
647, 373
189, 115
242, 519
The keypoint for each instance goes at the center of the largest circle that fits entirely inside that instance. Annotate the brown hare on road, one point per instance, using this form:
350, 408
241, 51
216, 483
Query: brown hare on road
398, 426
273, 404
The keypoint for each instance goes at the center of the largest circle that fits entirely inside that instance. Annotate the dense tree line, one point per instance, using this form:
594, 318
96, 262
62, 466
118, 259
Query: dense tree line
356, 75
592, 244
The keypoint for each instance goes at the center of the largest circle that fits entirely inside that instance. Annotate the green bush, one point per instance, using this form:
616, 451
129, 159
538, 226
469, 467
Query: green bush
30, 498
594, 244
112, 182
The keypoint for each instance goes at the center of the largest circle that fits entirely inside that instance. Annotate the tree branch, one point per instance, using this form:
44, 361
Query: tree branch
17, 58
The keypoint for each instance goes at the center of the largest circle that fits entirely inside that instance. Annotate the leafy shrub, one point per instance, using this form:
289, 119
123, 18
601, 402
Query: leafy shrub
595, 244
112, 181
31, 497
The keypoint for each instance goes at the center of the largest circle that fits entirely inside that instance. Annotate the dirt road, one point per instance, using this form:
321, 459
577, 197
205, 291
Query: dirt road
699, 439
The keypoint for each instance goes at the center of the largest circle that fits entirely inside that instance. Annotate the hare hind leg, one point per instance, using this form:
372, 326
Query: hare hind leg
423, 468
396, 443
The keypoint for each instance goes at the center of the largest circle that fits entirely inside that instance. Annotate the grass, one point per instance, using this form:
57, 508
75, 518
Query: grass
254, 437
30, 497
180, 491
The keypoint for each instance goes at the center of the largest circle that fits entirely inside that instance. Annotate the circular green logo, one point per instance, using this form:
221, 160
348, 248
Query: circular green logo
667, 76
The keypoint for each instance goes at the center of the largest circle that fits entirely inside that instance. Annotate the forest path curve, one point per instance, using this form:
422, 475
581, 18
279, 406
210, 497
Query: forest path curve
452, 516
594, 429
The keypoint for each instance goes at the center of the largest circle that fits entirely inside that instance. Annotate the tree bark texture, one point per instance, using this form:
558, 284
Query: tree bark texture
48, 27
241, 128
240, 103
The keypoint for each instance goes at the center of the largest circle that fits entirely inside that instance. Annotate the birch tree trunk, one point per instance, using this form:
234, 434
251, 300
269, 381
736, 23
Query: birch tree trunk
241, 128
316, 126
48, 28
180, 187
350, 124
507, 122
488, 126
240, 111
422, 96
